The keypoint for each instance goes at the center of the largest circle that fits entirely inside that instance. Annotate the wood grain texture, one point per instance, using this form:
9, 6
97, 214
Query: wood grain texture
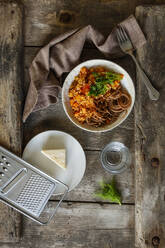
94, 174
150, 134
11, 45
82, 225
45, 19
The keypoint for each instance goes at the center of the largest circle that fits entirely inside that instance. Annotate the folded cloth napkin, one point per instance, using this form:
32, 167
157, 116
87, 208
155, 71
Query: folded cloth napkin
62, 54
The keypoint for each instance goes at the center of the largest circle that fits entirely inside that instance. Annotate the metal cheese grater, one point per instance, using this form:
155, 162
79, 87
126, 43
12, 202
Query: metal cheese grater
26, 188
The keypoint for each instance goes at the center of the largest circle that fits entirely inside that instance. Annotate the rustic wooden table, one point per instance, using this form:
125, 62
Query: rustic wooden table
82, 220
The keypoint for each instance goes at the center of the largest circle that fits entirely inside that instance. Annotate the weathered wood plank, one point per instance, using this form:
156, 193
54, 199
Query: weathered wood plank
150, 134
83, 225
121, 238
94, 174
11, 45
45, 19
49, 18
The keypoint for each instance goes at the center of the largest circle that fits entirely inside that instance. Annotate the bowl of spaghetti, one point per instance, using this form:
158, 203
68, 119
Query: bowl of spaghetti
98, 95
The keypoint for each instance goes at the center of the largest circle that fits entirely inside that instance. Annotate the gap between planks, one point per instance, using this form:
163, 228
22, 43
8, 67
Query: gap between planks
70, 202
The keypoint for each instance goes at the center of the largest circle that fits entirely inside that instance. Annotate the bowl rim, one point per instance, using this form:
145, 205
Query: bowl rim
122, 120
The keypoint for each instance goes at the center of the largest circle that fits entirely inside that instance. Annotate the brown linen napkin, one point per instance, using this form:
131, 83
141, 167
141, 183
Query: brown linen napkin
62, 54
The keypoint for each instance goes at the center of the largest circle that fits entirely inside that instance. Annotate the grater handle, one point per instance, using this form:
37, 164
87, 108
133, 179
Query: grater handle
62, 198
14, 181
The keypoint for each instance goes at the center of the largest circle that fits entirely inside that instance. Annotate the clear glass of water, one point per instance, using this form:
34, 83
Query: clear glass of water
115, 157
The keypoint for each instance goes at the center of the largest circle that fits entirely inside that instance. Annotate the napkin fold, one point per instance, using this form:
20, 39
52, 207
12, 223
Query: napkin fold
62, 54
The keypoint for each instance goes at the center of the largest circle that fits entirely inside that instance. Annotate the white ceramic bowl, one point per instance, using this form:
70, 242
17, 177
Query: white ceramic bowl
126, 83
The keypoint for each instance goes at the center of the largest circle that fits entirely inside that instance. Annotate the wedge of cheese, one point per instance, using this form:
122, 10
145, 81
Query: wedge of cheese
58, 156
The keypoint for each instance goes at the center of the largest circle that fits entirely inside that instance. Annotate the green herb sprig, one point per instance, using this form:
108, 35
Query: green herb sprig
109, 192
101, 81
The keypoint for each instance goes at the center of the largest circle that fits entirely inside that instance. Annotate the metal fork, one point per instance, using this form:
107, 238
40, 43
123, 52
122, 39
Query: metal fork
127, 47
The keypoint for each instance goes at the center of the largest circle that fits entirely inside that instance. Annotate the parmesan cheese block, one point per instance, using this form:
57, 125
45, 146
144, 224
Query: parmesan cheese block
58, 156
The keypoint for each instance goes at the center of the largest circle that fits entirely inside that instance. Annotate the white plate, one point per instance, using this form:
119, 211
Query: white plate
126, 82
75, 157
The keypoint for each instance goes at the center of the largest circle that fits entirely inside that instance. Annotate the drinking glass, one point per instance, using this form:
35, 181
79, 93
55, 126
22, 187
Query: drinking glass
115, 157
